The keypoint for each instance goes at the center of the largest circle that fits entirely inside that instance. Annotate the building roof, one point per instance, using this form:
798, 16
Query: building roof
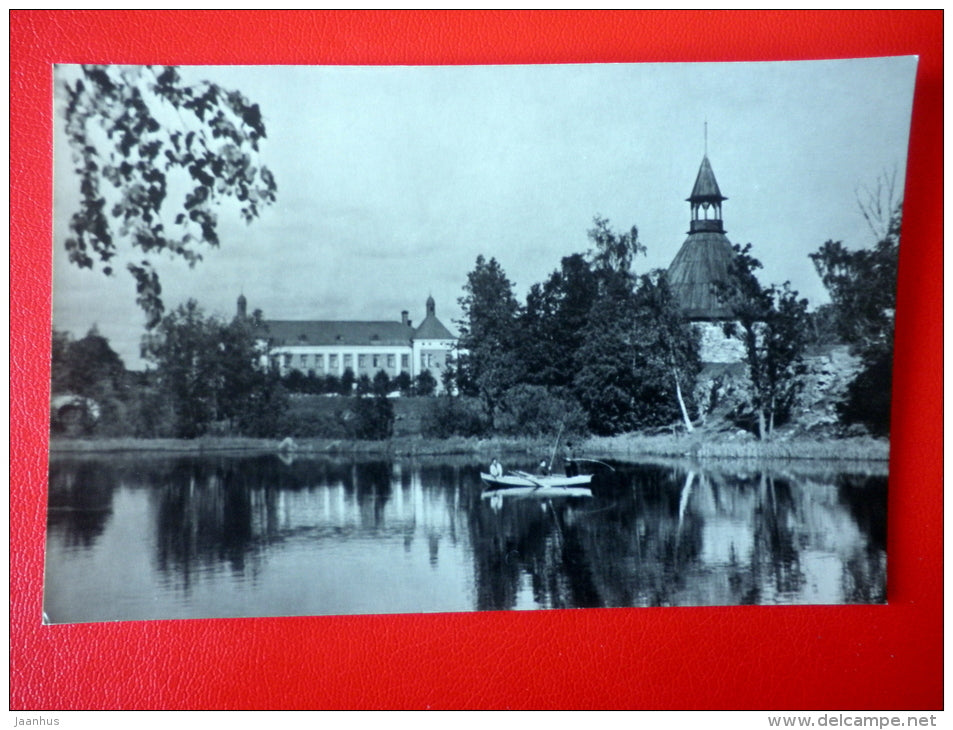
327, 332
702, 260
706, 187
432, 329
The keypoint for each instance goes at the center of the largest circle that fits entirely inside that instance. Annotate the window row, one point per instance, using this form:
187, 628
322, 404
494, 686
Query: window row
337, 363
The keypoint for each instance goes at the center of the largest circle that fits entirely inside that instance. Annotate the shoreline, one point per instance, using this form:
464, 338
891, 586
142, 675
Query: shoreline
703, 447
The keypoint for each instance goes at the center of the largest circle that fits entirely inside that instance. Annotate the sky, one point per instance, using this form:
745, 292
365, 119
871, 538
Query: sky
392, 180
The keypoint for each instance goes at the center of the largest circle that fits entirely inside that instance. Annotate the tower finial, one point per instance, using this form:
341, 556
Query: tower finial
706, 138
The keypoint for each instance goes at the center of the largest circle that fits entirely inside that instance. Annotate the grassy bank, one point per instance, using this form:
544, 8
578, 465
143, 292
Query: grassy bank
398, 446
700, 446
723, 446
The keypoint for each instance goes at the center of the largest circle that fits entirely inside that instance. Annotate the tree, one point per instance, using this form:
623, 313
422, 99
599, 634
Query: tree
139, 134
605, 382
381, 384
670, 346
373, 418
614, 253
772, 323
332, 384
552, 322
91, 369
613, 378
448, 377
534, 410
184, 348
253, 400
346, 382
863, 288
88, 367
364, 385
425, 384
488, 333
403, 382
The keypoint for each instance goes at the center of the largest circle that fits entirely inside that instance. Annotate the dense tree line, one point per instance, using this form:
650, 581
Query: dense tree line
599, 348
207, 376
594, 347
310, 383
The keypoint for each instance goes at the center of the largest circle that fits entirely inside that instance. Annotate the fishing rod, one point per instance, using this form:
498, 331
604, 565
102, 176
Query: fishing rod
552, 460
596, 461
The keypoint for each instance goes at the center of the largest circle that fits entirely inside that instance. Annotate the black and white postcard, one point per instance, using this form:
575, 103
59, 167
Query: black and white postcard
370, 340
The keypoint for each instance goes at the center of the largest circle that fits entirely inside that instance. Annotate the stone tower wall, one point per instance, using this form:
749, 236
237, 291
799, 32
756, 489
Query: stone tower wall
716, 347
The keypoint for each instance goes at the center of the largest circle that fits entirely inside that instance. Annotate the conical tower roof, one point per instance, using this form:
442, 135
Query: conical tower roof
700, 263
706, 186
705, 256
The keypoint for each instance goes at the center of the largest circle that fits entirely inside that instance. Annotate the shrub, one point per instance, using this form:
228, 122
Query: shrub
453, 416
373, 418
425, 384
534, 410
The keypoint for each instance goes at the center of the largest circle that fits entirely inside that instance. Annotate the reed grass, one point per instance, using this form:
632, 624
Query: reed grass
721, 446
700, 445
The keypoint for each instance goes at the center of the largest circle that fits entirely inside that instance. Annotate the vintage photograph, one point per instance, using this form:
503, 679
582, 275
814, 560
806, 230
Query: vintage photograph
372, 340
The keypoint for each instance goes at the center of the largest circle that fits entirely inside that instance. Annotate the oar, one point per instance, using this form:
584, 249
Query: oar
539, 485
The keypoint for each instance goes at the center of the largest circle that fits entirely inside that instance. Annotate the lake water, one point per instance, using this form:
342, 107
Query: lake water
156, 537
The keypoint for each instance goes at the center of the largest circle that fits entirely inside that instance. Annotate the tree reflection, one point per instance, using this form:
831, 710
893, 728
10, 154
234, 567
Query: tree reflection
80, 500
652, 534
664, 535
535, 540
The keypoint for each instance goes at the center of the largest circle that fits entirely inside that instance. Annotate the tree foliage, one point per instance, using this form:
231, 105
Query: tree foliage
535, 411
553, 319
669, 346
87, 367
614, 253
605, 381
862, 285
211, 373
488, 333
772, 323
637, 357
592, 334
425, 384
373, 418
139, 135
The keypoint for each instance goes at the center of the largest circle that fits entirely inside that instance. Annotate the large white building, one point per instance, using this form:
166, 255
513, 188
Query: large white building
329, 347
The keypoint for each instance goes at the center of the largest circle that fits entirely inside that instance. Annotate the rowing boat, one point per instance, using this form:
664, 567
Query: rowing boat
521, 484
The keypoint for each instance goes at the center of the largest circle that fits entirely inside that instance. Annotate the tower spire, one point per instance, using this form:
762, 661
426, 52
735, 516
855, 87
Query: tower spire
706, 200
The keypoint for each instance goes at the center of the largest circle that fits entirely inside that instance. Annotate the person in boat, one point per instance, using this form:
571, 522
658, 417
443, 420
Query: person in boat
543, 468
569, 460
496, 468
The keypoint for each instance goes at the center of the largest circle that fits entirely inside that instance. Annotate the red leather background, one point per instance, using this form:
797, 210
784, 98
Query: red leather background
873, 657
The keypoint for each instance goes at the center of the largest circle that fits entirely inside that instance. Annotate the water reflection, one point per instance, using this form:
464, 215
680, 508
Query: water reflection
165, 537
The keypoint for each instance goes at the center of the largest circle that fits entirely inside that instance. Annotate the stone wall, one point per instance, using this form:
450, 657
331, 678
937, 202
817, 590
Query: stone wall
716, 347
830, 370
722, 389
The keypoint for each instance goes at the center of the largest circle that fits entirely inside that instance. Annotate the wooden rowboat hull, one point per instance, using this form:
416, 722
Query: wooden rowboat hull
515, 485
